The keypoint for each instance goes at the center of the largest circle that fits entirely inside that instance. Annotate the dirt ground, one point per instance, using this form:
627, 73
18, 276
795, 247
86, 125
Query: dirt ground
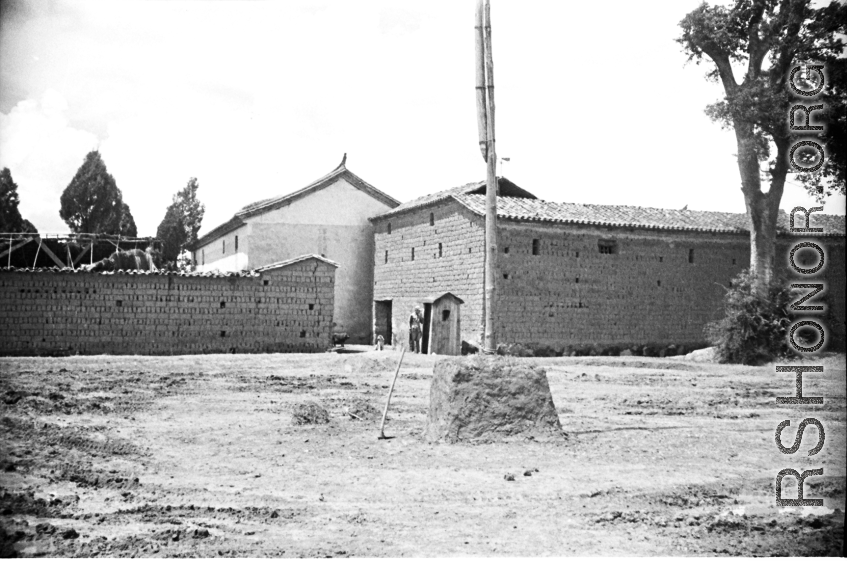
204, 456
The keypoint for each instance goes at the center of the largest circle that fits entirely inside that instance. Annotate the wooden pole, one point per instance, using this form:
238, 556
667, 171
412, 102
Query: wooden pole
481, 91
490, 341
390, 391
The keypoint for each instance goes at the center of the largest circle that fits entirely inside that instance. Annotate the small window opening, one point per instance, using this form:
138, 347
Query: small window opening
505, 275
440, 250
266, 282
413, 254
311, 306
223, 246
236, 243
658, 283
469, 250
577, 254
445, 315
389, 227
607, 247
661, 259
203, 256
223, 304
535, 246
432, 219
691, 256
303, 334
223, 333
733, 261
119, 303
506, 249
577, 280
386, 256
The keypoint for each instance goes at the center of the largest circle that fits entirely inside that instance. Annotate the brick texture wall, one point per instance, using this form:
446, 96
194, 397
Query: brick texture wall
654, 287
457, 268
651, 287
287, 309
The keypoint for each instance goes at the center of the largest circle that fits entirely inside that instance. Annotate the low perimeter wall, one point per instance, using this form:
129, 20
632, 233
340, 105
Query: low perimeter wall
59, 312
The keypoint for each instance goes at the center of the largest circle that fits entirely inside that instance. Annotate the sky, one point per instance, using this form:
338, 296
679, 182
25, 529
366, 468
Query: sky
594, 102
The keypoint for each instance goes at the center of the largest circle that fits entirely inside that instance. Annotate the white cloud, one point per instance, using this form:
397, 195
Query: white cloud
43, 152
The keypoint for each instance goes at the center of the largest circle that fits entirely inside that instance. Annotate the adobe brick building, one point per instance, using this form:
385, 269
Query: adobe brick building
284, 307
573, 274
328, 217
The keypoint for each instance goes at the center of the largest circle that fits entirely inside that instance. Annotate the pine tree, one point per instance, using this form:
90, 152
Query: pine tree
181, 223
11, 220
92, 202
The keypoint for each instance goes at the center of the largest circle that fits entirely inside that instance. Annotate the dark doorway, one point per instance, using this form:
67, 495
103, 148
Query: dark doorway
382, 320
425, 340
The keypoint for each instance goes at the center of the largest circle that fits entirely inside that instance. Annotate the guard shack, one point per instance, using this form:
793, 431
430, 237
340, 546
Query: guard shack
442, 333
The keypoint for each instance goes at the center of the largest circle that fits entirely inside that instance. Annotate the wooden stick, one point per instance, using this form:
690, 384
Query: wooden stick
489, 314
481, 93
52, 256
390, 391
35, 263
14, 247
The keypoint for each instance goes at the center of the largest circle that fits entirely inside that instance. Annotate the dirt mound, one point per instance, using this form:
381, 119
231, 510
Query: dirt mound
362, 410
490, 398
309, 413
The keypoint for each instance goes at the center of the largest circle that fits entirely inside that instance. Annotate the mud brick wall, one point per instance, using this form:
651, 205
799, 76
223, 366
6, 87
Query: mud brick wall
55, 313
655, 287
652, 287
457, 267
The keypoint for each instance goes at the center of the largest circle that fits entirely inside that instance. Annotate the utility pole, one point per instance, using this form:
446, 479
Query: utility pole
485, 123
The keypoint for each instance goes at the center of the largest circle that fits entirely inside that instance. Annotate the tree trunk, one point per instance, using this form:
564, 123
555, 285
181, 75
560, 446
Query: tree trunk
762, 208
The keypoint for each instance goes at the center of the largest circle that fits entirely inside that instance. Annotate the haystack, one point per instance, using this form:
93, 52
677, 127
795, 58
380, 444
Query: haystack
483, 399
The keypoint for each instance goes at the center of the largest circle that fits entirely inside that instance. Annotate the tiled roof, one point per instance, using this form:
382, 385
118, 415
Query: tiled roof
280, 264
506, 188
273, 203
537, 210
341, 171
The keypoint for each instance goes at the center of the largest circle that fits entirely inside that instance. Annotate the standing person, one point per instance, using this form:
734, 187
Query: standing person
415, 330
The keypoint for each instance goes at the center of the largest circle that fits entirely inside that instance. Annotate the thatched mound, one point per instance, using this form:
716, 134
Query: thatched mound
490, 398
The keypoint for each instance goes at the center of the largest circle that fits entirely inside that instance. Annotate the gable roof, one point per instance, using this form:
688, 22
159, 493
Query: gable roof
506, 187
267, 205
536, 210
515, 203
287, 262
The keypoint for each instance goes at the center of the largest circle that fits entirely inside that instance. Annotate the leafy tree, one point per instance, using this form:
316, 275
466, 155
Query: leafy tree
171, 233
92, 202
181, 223
831, 178
11, 220
765, 39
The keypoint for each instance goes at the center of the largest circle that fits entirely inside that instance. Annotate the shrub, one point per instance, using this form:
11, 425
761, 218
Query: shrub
754, 328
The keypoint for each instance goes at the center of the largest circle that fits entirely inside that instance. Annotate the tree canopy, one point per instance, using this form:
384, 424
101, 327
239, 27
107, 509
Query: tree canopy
181, 223
761, 41
11, 220
92, 202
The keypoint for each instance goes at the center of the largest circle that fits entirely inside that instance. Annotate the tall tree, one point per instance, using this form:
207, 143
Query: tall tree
92, 202
182, 222
127, 225
11, 220
764, 40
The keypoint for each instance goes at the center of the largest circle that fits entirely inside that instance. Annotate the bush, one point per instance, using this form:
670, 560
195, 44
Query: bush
754, 328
